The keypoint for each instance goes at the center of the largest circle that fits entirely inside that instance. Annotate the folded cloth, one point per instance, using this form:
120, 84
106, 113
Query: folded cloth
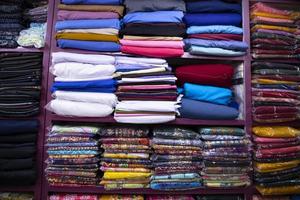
11, 127
93, 2
79, 109
212, 6
94, 8
120, 196
60, 57
80, 15
164, 44
276, 131
261, 7
210, 74
197, 50
210, 94
204, 19
153, 52
152, 106
155, 5
231, 45
272, 27
227, 29
89, 45
151, 38
87, 24
80, 70
154, 29
104, 31
92, 97
106, 85
154, 17
218, 36
72, 196
87, 37
210, 111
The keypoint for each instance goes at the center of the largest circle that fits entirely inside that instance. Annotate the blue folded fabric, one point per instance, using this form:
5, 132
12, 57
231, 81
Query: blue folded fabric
212, 6
93, 2
227, 29
210, 51
203, 19
175, 185
202, 110
89, 45
10, 127
206, 93
108, 85
231, 45
88, 24
153, 17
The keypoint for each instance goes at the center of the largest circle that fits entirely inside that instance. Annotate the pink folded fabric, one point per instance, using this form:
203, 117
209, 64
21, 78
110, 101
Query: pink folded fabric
70, 15
269, 19
273, 140
261, 7
164, 44
153, 52
146, 87
284, 150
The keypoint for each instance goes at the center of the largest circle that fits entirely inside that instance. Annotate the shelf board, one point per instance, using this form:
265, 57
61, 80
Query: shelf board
178, 121
17, 188
100, 190
21, 49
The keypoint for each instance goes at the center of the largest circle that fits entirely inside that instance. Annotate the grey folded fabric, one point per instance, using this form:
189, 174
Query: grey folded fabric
154, 5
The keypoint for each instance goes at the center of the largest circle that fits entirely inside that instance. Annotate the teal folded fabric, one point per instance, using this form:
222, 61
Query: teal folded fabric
210, 51
210, 94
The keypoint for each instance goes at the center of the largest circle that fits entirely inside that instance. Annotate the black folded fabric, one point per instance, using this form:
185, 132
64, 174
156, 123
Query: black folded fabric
16, 164
11, 127
19, 152
17, 177
18, 138
277, 178
154, 5
281, 183
272, 65
277, 173
154, 29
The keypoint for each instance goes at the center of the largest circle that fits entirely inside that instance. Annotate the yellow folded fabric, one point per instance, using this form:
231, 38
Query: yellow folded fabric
151, 38
271, 27
125, 175
283, 190
270, 81
93, 8
125, 155
276, 131
120, 197
87, 37
264, 14
273, 167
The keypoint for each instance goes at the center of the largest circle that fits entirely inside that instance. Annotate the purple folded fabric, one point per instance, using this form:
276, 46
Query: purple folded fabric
70, 15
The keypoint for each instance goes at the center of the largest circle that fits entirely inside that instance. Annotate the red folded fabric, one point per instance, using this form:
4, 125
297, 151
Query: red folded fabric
284, 150
270, 41
207, 74
274, 110
216, 36
274, 94
153, 52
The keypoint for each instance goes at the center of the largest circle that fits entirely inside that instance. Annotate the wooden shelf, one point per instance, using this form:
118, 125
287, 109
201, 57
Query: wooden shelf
178, 121
100, 190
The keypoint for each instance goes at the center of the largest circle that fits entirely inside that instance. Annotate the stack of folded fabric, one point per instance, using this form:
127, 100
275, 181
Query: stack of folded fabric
272, 32
73, 197
220, 197
17, 152
259, 197
73, 155
277, 163
10, 23
120, 197
214, 28
20, 80
170, 197
176, 159
125, 161
153, 28
146, 91
89, 25
226, 157
84, 86
207, 87
34, 36
16, 196
275, 92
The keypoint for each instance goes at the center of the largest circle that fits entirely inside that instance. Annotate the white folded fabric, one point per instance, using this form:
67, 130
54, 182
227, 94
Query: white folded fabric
152, 106
134, 80
80, 70
79, 109
83, 79
134, 60
108, 99
59, 57
153, 119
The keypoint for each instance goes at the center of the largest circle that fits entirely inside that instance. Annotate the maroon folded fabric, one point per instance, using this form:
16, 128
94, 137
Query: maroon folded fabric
220, 36
268, 51
275, 94
264, 140
283, 155
270, 41
276, 116
207, 74
274, 110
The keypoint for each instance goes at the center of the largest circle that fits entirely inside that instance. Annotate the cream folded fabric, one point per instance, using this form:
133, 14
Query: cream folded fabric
59, 57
